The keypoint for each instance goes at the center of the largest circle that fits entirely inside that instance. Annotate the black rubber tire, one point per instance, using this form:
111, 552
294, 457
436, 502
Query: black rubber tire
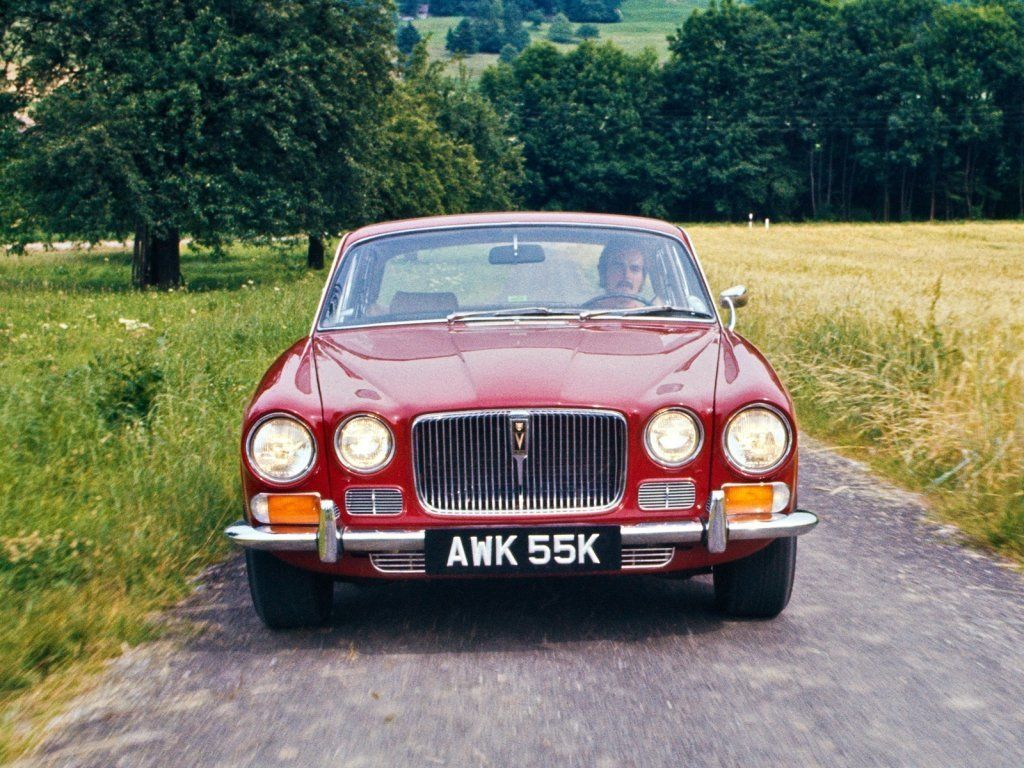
758, 586
286, 597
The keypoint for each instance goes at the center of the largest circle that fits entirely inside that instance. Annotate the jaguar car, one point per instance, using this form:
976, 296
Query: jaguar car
519, 395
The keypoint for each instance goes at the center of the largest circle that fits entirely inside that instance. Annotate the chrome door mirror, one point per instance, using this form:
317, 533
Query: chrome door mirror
732, 299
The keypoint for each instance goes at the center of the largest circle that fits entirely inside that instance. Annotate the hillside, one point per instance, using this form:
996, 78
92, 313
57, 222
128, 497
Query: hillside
645, 24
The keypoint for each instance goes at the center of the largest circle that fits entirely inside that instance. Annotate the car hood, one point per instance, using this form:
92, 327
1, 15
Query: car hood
403, 371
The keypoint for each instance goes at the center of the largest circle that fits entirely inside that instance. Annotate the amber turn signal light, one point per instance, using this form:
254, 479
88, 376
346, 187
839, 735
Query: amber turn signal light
286, 508
760, 499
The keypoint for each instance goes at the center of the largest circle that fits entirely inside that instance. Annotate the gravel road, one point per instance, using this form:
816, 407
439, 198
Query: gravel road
899, 648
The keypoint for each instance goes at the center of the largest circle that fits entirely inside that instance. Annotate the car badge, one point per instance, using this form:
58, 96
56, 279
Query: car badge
519, 432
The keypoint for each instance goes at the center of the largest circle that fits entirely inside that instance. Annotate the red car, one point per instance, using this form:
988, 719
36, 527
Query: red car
518, 394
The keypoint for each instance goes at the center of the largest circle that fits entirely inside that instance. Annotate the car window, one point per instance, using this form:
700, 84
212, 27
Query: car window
431, 275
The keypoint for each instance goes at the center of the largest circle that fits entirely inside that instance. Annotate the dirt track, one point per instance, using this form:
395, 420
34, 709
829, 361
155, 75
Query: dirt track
899, 648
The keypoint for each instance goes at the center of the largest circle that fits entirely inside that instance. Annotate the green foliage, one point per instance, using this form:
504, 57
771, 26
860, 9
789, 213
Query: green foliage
462, 38
125, 385
561, 30
213, 117
588, 32
588, 123
407, 38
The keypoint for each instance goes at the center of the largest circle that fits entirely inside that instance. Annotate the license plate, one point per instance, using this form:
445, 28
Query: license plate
548, 549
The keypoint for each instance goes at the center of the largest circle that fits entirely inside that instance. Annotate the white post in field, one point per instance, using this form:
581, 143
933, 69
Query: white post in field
750, 221
767, 223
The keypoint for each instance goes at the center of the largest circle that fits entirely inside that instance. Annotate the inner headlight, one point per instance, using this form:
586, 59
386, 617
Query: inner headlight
281, 449
364, 443
757, 439
672, 437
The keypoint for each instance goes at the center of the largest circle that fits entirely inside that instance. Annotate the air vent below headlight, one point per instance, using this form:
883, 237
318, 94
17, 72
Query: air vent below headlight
668, 495
373, 501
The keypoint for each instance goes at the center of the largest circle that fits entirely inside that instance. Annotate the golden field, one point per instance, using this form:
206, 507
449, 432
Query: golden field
902, 343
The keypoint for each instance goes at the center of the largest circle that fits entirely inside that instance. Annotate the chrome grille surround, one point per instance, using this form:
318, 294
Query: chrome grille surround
646, 557
463, 462
373, 501
676, 494
399, 562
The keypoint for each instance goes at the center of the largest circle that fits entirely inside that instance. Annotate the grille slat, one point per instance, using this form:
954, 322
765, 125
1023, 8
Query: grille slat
667, 495
399, 562
464, 465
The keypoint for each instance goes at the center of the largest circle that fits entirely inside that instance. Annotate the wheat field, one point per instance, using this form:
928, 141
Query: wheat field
903, 344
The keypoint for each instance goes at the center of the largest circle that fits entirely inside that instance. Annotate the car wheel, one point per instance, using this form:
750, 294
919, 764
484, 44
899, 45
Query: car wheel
757, 586
286, 597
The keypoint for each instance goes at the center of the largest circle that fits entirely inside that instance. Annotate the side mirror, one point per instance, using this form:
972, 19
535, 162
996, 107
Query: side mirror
732, 299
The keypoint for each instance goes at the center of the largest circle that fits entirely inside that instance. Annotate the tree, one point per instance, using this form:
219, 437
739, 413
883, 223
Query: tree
211, 118
560, 30
588, 32
462, 38
407, 38
588, 122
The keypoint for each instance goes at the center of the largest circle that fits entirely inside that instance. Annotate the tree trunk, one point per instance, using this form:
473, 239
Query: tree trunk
315, 254
814, 205
156, 258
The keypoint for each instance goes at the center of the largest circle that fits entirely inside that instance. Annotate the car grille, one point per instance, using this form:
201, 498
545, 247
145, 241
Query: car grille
373, 501
575, 462
415, 562
673, 495
646, 557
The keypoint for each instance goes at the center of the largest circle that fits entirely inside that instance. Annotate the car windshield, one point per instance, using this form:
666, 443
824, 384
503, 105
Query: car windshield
482, 273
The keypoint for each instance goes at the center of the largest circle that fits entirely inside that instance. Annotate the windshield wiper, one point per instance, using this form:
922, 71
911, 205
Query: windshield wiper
484, 314
660, 309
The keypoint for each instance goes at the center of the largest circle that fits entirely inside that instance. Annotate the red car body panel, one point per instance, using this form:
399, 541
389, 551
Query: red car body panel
633, 366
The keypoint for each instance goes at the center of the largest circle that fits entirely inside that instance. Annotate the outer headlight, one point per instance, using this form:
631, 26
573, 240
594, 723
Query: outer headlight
364, 443
757, 439
673, 437
281, 449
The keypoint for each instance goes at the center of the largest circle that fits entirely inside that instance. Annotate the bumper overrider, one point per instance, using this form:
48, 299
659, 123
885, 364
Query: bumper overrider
329, 541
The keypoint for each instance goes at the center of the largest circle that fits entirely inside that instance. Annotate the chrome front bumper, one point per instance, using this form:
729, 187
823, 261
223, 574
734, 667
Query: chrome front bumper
330, 542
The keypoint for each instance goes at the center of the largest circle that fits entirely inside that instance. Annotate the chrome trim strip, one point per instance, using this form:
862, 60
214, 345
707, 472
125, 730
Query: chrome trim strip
681, 239
514, 513
642, 534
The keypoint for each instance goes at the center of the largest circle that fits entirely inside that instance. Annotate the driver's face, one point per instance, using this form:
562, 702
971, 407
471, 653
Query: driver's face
625, 273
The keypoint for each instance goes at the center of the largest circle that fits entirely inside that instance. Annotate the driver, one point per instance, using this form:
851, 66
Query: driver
622, 272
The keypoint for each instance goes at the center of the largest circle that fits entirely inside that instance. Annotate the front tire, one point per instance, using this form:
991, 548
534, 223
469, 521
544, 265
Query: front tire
286, 597
758, 586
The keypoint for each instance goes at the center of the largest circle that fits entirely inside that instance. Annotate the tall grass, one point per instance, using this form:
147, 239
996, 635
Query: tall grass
902, 342
120, 414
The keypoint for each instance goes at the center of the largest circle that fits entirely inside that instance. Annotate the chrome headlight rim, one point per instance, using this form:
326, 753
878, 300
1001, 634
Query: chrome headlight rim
251, 461
337, 449
697, 447
785, 454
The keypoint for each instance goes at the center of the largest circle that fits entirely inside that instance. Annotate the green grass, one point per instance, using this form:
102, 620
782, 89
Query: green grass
645, 24
121, 414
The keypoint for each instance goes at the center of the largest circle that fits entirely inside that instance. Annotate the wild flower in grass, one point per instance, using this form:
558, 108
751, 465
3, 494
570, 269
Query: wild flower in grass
133, 326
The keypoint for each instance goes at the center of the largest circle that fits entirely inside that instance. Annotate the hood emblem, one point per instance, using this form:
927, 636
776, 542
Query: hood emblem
519, 432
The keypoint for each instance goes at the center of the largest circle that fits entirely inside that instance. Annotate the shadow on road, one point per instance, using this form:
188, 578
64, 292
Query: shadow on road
494, 615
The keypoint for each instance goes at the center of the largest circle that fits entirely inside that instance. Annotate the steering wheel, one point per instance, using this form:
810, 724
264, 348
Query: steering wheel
598, 301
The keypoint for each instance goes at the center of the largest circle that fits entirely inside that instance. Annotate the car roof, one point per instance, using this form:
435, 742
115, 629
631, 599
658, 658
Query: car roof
512, 217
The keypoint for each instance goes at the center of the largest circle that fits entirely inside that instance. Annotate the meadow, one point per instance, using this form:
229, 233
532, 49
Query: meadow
121, 410
645, 24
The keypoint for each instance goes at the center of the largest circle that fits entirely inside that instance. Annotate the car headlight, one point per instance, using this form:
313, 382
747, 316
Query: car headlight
281, 449
757, 439
672, 437
364, 443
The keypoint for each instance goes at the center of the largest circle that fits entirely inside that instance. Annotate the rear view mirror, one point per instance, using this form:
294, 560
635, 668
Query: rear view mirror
520, 253
732, 299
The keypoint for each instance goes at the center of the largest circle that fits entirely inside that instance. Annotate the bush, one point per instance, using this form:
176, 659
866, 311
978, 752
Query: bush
587, 32
561, 30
